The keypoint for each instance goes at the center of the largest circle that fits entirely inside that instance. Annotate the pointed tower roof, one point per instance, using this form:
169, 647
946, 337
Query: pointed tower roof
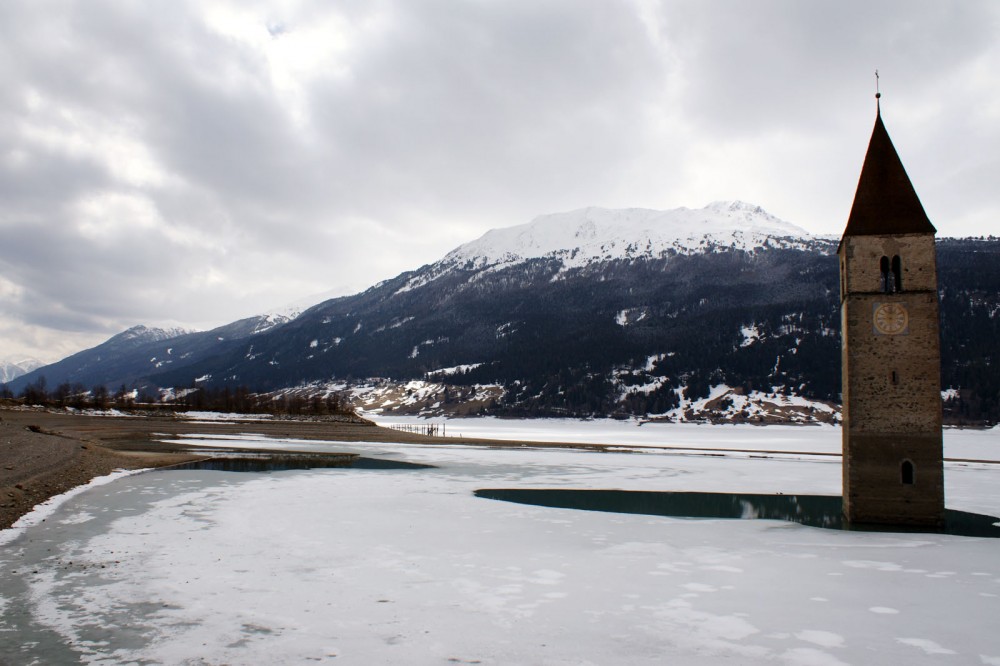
885, 202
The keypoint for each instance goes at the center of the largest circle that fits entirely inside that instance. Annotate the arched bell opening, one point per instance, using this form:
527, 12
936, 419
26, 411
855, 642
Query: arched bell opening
897, 274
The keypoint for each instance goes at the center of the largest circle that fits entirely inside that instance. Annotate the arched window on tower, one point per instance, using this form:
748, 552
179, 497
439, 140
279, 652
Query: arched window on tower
885, 281
897, 274
906, 473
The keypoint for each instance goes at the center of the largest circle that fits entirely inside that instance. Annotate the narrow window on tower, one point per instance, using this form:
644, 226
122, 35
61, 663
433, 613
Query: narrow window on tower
895, 378
897, 274
906, 473
885, 283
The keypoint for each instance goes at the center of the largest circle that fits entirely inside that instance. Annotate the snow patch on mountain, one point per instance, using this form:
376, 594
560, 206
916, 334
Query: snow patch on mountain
651, 361
751, 334
630, 316
454, 370
725, 404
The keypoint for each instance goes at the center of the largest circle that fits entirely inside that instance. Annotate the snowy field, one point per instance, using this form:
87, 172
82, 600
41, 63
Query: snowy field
357, 566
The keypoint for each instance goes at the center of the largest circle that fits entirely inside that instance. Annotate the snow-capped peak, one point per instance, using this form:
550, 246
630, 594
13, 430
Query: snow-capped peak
142, 333
266, 322
592, 235
13, 367
600, 234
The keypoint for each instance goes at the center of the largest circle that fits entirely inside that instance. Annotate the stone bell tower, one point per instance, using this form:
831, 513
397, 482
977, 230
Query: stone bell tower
891, 381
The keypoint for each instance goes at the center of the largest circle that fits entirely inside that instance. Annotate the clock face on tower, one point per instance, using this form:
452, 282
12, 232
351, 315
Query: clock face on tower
890, 318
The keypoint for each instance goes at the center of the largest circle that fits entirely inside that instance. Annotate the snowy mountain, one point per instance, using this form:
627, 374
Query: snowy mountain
13, 367
141, 351
139, 335
723, 312
598, 234
593, 235
738, 317
268, 321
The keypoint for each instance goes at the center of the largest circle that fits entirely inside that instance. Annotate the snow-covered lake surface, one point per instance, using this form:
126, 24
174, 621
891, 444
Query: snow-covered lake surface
358, 566
958, 443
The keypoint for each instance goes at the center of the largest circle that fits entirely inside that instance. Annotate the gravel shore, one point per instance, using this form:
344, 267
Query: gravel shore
37, 463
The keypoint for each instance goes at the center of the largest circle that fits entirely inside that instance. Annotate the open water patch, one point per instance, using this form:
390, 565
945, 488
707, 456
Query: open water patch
260, 461
814, 510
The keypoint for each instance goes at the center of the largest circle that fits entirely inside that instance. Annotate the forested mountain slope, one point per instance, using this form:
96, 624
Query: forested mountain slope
599, 312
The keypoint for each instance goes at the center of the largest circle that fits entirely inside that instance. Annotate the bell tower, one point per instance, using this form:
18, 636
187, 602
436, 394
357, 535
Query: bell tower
891, 358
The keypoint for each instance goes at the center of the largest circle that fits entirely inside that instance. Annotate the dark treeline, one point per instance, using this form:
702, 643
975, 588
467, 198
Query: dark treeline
240, 400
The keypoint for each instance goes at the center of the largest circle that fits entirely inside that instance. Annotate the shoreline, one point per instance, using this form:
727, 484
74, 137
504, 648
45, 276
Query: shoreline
45, 453
37, 465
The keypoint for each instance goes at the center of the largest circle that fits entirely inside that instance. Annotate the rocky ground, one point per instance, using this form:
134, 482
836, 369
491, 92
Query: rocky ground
38, 462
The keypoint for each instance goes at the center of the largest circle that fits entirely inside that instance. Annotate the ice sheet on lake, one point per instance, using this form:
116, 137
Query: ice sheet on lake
365, 566
42, 511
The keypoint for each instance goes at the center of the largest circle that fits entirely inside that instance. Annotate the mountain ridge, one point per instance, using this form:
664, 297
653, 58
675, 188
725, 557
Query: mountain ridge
593, 234
608, 234
635, 331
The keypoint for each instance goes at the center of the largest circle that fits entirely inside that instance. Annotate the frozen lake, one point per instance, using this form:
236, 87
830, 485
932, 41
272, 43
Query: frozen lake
405, 566
825, 439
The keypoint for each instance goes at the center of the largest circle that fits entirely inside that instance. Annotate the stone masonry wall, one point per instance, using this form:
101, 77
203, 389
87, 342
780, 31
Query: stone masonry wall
893, 380
916, 252
891, 390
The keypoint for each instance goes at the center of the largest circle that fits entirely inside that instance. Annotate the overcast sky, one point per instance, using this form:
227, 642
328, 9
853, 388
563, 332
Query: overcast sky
194, 162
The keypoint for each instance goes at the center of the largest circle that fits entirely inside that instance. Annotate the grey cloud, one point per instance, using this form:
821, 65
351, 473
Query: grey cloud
464, 106
756, 66
440, 120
